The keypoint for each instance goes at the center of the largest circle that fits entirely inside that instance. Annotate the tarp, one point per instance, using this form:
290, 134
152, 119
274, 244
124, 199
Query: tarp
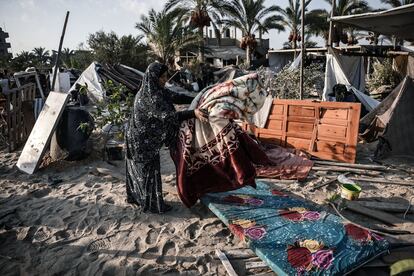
296, 63
347, 70
278, 60
226, 52
96, 91
392, 122
398, 21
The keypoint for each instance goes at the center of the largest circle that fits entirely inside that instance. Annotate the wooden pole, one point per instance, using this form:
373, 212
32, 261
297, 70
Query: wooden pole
331, 23
303, 47
59, 51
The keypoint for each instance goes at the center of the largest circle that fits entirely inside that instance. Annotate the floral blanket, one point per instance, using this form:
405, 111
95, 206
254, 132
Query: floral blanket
218, 156
292, 237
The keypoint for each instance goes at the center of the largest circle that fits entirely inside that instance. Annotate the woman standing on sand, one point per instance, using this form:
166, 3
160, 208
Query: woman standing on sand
152, 124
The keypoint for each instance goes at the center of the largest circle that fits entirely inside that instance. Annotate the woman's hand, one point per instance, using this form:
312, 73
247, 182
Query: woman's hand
201, 114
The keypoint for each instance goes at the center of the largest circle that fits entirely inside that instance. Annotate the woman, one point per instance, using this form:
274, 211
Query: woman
152, 124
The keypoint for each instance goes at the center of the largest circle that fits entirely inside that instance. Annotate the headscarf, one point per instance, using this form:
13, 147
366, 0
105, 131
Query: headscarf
153, 122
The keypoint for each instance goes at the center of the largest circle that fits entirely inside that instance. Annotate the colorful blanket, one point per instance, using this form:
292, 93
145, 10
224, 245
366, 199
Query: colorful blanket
218, 156
292, 237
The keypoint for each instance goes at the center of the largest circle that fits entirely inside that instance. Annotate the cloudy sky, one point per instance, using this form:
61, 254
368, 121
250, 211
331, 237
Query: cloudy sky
34, 23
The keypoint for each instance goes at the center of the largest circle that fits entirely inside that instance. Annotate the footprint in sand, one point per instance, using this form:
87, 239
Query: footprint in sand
109, 200
62, 234
192, 231
222, 233
99, 244
152, 236
41, 234
211, 225
169, 253
41, 193
104, 228
89, 184
150, 253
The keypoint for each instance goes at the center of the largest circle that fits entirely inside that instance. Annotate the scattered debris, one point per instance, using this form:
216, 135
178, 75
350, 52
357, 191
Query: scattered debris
227, 265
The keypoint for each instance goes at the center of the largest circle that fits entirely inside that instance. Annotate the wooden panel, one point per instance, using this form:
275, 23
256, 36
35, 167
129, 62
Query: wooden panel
335, 114
277, 109
299, 127
297, 110
274, 124
270, 138
332, 131
335, 147
298, 143
40, 136
327, 130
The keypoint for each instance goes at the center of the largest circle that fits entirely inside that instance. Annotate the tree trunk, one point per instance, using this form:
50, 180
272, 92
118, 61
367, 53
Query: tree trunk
201, 45
248, 56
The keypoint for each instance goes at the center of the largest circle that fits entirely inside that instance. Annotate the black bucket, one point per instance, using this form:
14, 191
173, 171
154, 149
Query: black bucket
73, 132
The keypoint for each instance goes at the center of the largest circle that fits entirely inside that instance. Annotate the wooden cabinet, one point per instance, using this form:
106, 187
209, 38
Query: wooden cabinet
327, 130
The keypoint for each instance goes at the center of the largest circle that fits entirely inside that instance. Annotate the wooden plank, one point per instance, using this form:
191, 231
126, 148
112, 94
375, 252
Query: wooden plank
356, 166
383, 181
252, 265
227, 265
41, 134
376, 214
342, 169
387, 206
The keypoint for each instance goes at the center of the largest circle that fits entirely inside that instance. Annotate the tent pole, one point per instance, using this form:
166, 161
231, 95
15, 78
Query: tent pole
59, 51
303, 47
331, 23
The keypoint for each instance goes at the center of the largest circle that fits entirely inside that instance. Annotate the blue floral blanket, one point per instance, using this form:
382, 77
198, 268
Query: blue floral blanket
291, 236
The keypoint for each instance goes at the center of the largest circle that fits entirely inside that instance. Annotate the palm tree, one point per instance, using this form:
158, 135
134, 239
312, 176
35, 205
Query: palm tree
67, 55
166, 34
292, 20
397, 3
319, 25
131, 49
251, 16
41, 55
199, 14
22, 60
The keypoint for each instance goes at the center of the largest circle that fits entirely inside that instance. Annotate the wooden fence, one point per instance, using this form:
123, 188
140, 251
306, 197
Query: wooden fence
19, 114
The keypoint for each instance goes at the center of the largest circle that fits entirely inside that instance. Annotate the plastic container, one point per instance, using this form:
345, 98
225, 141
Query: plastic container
69, 137
350, 191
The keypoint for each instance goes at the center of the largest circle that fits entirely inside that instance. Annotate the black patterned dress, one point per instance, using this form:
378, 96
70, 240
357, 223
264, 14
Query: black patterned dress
152, 124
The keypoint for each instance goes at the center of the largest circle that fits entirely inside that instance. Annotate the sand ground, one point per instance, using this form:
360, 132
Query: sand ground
71, 218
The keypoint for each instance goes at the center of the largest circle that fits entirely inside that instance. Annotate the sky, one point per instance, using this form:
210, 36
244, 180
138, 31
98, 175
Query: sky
35, 23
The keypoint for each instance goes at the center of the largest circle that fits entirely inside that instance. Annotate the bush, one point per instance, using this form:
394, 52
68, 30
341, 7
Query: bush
383, 75
286, 83
115, 108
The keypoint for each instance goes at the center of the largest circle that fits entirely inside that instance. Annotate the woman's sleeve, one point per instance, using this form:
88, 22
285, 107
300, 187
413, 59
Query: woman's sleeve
185, 115
179, 98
